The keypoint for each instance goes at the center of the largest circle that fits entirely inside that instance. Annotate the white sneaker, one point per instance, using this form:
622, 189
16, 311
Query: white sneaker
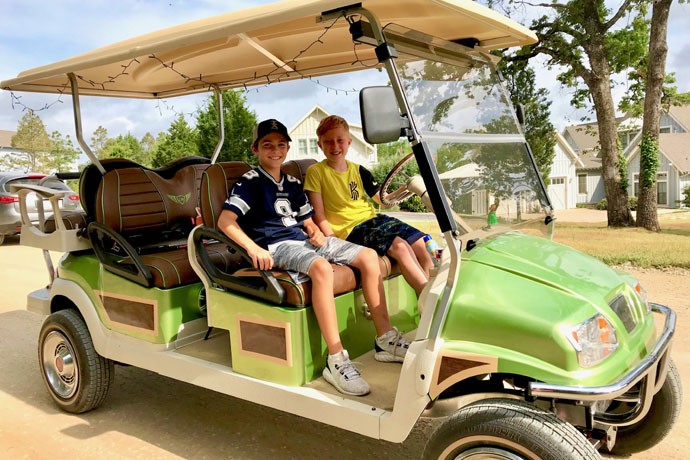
391, 347
343, 375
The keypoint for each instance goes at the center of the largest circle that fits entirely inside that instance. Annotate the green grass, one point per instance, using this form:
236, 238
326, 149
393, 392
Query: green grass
617, 246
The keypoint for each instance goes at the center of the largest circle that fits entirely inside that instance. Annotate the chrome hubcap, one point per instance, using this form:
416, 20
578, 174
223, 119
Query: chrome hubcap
59, 365
488, 453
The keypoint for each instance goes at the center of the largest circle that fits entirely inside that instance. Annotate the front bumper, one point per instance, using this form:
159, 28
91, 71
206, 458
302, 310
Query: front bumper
650, 373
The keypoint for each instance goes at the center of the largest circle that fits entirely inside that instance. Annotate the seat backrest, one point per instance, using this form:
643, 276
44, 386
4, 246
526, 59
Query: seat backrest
136, 200
216, 182
298, 168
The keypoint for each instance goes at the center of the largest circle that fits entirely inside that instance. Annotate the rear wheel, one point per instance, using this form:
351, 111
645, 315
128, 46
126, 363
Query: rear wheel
77, 377
504, 429
658, 422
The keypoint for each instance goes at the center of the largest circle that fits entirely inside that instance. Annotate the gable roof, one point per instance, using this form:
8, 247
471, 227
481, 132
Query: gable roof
568, 150
676, 147
318, 108
681, 115
6, 138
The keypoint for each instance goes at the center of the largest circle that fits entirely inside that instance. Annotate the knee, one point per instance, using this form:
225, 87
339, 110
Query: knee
321, 270
399, 248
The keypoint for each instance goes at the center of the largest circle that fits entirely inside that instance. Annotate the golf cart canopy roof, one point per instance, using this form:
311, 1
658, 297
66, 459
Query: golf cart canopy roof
261, 45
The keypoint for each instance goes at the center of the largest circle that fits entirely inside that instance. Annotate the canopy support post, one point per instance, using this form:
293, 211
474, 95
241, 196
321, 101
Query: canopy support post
221, 124
77, 123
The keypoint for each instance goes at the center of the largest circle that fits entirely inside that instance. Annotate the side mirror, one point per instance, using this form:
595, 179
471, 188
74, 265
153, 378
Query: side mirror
381, 120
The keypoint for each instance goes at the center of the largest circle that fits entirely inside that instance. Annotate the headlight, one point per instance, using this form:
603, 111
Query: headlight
643, 296
593, 340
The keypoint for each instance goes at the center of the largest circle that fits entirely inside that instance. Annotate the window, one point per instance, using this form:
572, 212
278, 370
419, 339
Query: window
313, 146
665, 129
582, 183
303, 147
662, 188
558, 180
636, 184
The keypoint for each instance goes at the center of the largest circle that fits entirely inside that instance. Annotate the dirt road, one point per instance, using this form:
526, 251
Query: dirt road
147, 416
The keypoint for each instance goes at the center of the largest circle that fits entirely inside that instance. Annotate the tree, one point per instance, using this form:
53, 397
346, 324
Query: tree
63, 154
592, 43
180, 140
99, 141
33, 142
128, 147
148, 143
539, 131
649, 146
239, 126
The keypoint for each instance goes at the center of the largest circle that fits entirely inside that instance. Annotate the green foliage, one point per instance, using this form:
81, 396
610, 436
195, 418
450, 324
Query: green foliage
649, 160
128, 147
239, 125
63, 154
602, 205
539, 131
632, 203
34, 143
180, 140
622, 168
99, 141
686, 197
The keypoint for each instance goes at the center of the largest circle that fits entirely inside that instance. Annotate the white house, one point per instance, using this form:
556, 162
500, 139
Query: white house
563, 178
304, 145
673, 175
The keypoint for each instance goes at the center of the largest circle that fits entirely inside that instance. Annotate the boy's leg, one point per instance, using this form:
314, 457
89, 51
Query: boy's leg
413, 273
423, 256
367, 262
323, 302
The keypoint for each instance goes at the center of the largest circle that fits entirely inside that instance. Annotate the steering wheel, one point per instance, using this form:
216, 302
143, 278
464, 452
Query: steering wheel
401, 193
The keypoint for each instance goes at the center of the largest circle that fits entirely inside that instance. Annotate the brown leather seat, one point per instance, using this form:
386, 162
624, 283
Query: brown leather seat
142, 222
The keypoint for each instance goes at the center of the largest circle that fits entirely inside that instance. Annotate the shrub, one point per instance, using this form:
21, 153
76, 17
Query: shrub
632, 202
686, 198
413, 204
601, 206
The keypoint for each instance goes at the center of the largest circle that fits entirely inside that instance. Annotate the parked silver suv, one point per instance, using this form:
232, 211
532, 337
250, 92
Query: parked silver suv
10, 217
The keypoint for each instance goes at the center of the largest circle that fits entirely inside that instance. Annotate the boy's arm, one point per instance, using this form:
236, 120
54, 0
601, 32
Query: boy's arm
316, 236
227, 223
319, 219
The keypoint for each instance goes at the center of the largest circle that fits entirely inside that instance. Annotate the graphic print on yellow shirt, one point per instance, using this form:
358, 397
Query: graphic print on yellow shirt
344, 199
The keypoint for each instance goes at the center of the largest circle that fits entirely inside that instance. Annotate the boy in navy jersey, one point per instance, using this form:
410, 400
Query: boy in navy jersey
269, 215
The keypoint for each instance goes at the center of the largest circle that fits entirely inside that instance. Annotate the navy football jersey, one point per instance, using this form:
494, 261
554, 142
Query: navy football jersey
269, 211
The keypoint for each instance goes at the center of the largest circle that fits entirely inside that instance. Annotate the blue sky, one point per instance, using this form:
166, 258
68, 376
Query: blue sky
38, 32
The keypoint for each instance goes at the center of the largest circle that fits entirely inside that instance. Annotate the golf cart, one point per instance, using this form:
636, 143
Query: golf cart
521, 347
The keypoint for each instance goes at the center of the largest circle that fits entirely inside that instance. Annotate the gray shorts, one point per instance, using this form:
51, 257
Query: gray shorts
298, 255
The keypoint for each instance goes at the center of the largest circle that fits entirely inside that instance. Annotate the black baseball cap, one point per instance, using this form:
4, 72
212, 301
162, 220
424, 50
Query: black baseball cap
270, 126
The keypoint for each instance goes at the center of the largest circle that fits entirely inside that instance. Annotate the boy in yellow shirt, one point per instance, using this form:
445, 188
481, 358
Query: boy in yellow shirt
338, 191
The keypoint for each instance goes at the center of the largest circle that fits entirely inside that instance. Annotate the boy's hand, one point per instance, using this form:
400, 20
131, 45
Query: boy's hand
261, 258
316, 237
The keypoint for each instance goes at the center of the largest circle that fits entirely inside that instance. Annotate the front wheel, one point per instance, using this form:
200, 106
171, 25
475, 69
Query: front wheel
77, 377
658, 422
504, 429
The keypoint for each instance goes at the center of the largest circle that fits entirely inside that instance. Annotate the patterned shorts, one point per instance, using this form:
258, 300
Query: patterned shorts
378, 233
299, 255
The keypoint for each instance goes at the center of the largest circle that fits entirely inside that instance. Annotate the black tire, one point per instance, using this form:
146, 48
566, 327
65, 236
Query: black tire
658, 422
509, 430
77, 377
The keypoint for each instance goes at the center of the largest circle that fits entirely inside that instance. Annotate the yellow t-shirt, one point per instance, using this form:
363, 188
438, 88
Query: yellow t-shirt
344, 199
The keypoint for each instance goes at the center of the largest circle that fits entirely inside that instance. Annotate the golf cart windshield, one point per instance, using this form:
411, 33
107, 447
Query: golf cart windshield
462, 112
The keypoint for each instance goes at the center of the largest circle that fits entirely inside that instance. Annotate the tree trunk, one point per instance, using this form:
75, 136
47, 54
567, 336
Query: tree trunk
617, 209
658, 49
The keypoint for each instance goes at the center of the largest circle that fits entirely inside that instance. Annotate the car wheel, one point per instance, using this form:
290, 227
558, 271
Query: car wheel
658, 422
77, 377
504, 429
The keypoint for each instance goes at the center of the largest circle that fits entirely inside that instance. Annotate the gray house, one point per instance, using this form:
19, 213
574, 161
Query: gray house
673, 175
